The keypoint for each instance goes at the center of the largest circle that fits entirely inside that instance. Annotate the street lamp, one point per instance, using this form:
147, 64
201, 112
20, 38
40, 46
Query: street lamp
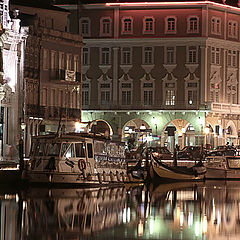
155, 123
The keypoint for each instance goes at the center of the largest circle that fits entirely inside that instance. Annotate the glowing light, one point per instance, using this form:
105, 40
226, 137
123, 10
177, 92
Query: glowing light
151, 226
197, 228
181, 219
204, 227
206, 130
190, 219
124, 215
140, 228
128, 214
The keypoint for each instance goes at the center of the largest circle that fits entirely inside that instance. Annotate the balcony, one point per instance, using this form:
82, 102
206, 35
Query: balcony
64, 75
225, 108
52, 113
138, 105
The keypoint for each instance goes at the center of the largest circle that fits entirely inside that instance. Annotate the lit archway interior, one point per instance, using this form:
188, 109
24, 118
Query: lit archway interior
134, 132
100, 127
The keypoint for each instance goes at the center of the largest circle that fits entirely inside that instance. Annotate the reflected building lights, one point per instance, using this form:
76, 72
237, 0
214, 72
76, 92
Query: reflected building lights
190, 219
205, 224
140, 228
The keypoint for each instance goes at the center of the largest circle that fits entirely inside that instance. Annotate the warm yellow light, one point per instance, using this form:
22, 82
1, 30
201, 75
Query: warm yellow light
140, 228
206, 130
204, 227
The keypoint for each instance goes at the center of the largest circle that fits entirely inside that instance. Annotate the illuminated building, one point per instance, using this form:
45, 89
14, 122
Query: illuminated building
52, 70
12, 41
174, 62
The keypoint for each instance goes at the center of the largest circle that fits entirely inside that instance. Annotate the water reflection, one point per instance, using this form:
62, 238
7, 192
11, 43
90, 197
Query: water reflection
209, 210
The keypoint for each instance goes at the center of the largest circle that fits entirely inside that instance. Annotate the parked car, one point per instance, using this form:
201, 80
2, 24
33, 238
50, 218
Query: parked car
224, 150
192, 152
161, 153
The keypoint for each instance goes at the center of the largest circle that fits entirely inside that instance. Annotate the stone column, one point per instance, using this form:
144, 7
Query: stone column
203, 83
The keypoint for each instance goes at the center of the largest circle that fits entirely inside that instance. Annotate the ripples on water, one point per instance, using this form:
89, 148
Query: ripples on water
209, 210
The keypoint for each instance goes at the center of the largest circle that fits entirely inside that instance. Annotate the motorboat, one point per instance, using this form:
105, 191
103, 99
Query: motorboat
223, 167
77, 158
162, 171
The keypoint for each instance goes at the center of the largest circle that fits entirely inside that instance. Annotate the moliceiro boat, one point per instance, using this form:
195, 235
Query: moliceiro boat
161, 171
223, 167
76, 158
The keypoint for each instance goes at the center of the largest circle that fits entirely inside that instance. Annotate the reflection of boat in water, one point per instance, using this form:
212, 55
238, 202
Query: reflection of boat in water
163, 171
73, 212
223, 167
77, 159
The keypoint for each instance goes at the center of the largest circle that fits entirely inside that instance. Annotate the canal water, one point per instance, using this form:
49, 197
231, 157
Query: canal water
204, 210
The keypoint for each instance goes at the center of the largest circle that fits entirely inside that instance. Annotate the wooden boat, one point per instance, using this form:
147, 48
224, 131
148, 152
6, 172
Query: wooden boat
223, 167
162, 171
77, 159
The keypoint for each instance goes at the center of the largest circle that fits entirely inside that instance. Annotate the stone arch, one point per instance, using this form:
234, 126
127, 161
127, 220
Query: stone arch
233, 128
101, 126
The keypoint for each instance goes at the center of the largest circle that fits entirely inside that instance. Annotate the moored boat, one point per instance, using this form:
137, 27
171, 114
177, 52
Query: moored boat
161, 171
77, 159
223, 167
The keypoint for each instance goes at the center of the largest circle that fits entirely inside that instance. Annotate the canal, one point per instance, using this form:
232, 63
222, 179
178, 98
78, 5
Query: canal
200, 210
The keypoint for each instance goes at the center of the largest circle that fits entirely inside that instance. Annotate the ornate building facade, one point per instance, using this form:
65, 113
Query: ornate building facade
12, 43
52, 70
172, 67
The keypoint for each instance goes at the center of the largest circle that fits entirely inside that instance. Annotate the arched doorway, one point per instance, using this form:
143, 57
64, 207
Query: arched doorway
135, 132
100, 127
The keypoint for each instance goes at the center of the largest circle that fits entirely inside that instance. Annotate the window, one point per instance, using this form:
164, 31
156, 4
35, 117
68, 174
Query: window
45, 59
215, 55
76, 64
126, 97
61, 60
105, 93
214, 92
105, 27
85, 56
126, 55
148, 25
170, 25
53, 60
105, 56
85, 27
69, 62
192, 54
192, 97
148, 55
170, 55
127, 27
232, 29
170, 97
232, 58
216, 25
148, 93
192, 92
192, 25
85, 93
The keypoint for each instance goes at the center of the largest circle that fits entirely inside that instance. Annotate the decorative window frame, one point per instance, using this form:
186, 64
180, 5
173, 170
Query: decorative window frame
123, 23
189, 24
104, 80
215, 79
143, 55
121, 81
165, 80
214, 52
188, 80
216, 28
122, 56
102, 34
145, 24
101, 58
188, 55
84, 61
46, 59
86, 80
174, 55
89, 26
231, 25
167, 31
145, 80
